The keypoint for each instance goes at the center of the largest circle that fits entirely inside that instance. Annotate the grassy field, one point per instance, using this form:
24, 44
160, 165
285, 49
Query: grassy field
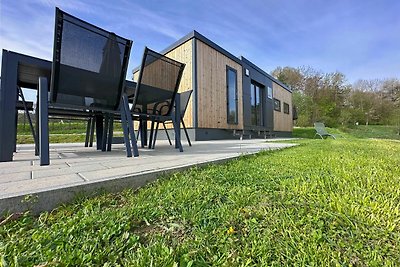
360, 131
73, 132
322, 203
373, 131
68, 132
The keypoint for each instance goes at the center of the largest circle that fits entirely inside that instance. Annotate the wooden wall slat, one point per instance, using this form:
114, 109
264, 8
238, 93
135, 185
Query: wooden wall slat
211, 88
282, 122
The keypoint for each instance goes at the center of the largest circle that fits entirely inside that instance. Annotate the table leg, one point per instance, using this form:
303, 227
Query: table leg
44, 152
99, 130
8, 100
143, 133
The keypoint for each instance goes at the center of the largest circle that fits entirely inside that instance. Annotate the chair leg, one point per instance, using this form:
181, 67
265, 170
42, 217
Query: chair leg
176, 117
186, 133
110, 132
151, 134
105, 131
130, 125
88, 126
43, 123
166, 132
125, 131
142, 133
139, 129
91, 132
99, 130
177, 130
37, 112
155, 135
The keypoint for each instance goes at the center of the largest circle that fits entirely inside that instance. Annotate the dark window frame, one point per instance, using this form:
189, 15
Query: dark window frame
279, 109
236, 121
286, 111
261, 91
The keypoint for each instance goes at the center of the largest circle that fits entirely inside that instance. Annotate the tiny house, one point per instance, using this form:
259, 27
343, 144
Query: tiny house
232, 97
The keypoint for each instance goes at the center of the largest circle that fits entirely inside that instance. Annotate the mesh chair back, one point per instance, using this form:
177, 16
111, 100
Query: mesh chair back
89, 65
185, 96
158, 83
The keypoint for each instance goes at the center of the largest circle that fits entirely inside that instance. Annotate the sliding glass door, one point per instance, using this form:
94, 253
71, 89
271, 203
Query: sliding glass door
256, 98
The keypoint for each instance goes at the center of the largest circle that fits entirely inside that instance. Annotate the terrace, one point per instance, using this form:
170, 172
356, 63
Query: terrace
78, 170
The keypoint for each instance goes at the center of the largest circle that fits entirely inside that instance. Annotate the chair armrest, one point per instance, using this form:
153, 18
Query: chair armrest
158, 107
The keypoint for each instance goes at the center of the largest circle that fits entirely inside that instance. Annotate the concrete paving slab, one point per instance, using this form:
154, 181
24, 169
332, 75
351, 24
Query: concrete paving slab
35, 185
65, 169
75, 169
16, 176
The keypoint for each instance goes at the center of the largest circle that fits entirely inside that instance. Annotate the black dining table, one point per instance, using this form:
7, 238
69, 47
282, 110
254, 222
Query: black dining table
19, 70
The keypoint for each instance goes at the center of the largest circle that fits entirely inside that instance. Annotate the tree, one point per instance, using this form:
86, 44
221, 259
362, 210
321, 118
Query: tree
318, 96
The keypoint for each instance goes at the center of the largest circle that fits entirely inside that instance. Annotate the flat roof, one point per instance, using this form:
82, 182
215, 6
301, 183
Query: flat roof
239, 60
248, 62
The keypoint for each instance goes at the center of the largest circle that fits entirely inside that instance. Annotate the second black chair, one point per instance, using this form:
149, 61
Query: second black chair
184, 101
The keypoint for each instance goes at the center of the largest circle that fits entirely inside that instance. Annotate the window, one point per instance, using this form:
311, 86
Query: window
269, 92
232, 105
277, 105
256, 96
286, 108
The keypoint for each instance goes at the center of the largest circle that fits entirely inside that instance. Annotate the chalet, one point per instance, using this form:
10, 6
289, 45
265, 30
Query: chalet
232, 97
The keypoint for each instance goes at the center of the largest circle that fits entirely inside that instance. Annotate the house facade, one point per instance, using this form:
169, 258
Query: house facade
232, 97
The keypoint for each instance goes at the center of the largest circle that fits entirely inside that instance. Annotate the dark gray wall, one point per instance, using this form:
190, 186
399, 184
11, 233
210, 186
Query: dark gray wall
264, 81
283, 134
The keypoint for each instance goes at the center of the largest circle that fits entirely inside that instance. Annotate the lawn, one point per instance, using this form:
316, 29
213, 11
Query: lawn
73, 132
322, 203
360, 131
67, 132
373, 131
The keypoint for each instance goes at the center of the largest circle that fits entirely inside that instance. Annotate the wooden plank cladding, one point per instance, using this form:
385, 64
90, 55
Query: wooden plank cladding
211, 71
212, 88
282, 122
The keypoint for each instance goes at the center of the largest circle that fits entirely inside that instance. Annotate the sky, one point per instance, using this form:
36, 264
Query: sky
360, 38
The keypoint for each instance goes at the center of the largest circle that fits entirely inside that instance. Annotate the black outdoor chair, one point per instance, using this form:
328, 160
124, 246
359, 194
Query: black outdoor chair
158, 83
88, 75
184, 101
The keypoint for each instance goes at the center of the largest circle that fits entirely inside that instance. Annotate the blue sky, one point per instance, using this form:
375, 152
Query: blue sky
360, 38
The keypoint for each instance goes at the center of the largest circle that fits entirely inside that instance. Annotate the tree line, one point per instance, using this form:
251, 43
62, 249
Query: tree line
329, 98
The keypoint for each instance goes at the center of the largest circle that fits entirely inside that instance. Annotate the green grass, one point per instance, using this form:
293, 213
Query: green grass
322, 203
68, 132
57, 138
373, 131
360, 131
57, 128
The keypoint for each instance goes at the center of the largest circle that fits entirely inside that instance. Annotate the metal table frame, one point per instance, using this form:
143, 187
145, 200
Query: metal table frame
23, 71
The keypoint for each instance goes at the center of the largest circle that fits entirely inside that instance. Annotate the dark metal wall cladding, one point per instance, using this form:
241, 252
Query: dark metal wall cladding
265, 81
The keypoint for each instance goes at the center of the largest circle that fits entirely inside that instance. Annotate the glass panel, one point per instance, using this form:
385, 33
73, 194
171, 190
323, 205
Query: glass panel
232, 91
253, 106
269, 92
256, 105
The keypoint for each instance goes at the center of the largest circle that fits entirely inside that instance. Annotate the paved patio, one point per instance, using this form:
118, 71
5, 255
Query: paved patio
78, 170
